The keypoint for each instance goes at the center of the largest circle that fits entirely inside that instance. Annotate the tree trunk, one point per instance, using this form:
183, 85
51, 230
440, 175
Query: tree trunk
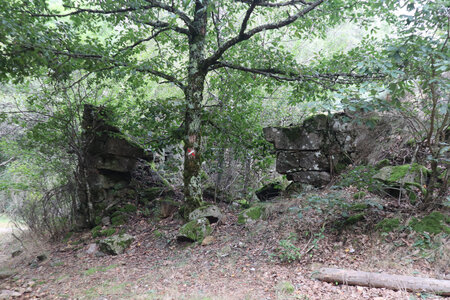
382, 280
193, 118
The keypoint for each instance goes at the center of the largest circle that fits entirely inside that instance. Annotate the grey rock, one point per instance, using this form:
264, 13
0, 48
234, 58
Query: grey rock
106, 221
211, 212
116, 244
289, 161
7, 294
7, 273
92, 249
294, 138
315, 178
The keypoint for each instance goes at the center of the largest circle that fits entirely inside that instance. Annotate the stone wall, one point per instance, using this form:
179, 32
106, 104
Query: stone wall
108, 161
323, 145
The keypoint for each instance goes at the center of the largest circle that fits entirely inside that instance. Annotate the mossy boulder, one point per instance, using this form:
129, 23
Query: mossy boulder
433, 223
116, 244
211, 212
388, 224
251, 214
195, 230
404, 175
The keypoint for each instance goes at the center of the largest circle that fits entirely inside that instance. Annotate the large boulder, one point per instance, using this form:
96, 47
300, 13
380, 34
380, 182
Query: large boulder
211, 212
404, 175
116, 244
294, 138
195, 230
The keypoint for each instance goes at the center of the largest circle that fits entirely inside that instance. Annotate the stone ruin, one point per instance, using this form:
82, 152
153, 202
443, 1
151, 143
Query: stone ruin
322, 146
108, 161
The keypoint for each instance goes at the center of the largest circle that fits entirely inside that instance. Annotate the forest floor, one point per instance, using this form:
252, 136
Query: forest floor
238, 262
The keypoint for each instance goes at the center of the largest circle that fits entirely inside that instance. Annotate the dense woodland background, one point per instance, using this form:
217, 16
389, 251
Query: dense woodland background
173, 86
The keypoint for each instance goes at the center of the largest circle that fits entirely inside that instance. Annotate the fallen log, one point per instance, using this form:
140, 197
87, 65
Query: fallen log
383, 280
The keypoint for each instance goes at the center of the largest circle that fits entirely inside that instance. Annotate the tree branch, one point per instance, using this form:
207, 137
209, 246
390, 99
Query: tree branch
269, 26
117, 63
153, 4
281, 4
140, 42
340, 78
247, 17
183, 16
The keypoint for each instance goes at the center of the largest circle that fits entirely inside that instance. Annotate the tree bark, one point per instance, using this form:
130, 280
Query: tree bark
382, 280
193, 118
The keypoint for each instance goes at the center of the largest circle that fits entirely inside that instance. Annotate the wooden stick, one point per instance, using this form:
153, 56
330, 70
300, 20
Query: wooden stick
383, 280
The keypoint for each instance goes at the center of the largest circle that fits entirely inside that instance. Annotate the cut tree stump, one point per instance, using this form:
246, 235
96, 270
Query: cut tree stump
383, 280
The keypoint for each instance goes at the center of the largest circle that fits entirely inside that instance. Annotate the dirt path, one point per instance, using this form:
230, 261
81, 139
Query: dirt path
242, 262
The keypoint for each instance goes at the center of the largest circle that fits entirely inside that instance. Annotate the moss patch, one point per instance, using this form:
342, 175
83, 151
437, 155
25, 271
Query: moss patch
433, 223
98, 232
118, 220
252, 213
399, 172
382, 163
388, 224
354, 219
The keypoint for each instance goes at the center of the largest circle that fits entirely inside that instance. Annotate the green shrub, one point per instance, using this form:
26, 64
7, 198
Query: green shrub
287, 251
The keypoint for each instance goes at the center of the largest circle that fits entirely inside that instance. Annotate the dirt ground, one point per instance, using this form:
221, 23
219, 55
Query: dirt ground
240, 262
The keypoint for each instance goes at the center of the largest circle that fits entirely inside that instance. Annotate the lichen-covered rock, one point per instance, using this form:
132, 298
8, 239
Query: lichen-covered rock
404, 175
116, 244
195, 230
251, 214
211, 212
291, 161
315, 178
294, 138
